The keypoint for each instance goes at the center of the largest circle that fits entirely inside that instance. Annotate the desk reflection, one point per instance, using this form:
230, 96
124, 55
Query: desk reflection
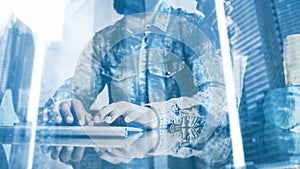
173, 148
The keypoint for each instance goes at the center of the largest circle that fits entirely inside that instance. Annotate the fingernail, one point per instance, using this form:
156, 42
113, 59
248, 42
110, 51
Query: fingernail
81, 122
108, 119
58, 119
91, 123
97, 119
127, 119
45, 119
69, 119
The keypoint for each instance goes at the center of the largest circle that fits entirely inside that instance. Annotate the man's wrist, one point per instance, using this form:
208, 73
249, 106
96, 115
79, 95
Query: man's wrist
156, 126
166, 142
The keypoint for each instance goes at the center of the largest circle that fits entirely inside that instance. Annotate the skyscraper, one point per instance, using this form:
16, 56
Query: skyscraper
286, 13
258, 40
264, 26
4, 59
16, 68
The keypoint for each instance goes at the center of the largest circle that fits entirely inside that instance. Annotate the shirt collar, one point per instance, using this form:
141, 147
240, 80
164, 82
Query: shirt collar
162, 17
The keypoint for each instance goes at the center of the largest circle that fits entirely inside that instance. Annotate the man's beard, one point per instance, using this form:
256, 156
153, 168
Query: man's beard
128, 7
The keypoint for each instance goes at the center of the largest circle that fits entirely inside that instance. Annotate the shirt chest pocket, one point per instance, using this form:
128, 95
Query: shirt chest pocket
119, 73
124, 72
166, 69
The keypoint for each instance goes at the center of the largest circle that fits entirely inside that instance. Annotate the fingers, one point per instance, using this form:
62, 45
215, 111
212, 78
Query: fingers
114, 115
102, 115
77, 154
65, 154
69, 112
44, 149
55, 151
66, 112
130, 112
112, 158
82, 117
56, 113
51, 114
145, 116
74, 112
45, 115
89, 119
132, 116
113, 111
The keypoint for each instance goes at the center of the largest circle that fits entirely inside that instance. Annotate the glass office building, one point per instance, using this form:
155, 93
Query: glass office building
17, 55
155, 84
265, 25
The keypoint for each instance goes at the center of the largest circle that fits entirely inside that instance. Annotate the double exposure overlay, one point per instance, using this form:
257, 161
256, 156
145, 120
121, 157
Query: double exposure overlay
149, 84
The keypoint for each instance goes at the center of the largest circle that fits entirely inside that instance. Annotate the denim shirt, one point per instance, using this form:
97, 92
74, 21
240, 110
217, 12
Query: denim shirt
169, 64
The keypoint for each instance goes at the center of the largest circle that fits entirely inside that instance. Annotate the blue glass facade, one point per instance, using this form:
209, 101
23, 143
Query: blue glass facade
288, 17
17, 54
257, 42
263, 27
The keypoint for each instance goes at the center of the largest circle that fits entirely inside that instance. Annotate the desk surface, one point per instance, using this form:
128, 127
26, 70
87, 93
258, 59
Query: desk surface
98, 151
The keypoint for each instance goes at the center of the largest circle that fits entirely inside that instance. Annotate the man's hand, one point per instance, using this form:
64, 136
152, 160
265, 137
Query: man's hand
69, 112
65, 154
139, 149
131, 112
